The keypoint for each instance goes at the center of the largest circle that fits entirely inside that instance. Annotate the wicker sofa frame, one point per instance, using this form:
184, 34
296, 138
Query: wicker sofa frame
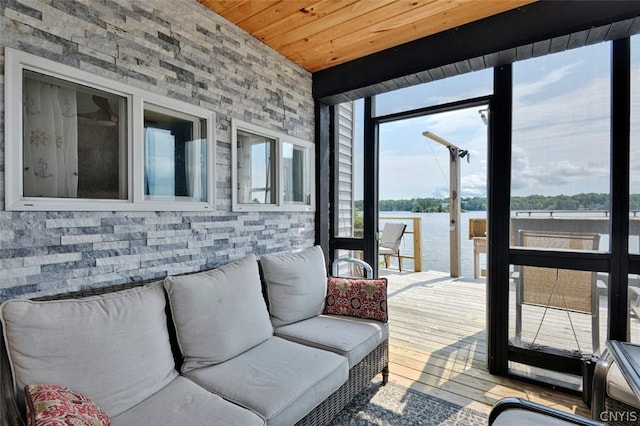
602, 403
360, 375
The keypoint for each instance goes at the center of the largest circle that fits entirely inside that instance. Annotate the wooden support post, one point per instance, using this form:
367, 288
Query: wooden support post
454, 203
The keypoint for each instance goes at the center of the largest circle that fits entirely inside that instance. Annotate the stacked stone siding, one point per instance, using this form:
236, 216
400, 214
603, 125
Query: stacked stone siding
178, 49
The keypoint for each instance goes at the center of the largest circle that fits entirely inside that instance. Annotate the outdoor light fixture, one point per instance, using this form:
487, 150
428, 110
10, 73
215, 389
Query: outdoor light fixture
484, 115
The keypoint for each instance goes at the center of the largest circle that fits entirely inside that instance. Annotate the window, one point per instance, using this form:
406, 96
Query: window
76, 141
175, 158
271, 171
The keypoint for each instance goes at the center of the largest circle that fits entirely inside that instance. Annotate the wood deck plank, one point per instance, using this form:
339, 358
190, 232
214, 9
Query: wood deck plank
438, 342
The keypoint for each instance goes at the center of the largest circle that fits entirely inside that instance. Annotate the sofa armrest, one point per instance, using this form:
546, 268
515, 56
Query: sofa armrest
510, 411
599, 391
9, 411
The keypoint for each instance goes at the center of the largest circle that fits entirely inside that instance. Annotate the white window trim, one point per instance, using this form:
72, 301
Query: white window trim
16, 62
280, 139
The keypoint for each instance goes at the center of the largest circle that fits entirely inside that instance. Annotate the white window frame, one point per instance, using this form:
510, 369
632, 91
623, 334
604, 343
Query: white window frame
15, 64
278, 186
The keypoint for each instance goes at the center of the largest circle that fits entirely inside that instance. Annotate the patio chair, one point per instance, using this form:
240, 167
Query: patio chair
390, 242
568, 290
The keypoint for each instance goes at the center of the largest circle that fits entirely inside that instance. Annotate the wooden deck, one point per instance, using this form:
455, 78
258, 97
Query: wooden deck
438, 344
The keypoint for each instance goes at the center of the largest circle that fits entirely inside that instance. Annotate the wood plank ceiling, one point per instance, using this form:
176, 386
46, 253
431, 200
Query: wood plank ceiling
319, 34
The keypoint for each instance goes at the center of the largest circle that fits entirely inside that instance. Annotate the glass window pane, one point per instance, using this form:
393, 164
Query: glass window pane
634, 308
634, 172
558, 308
560, 150
465, 86
296, 174
350, 169
175, 152
75, 143
256, 168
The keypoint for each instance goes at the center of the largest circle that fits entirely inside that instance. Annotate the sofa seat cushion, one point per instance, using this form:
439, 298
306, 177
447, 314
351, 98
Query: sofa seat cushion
618, 388
280, 380
113, 348
353, 338
183, 402
218, 314
296, 285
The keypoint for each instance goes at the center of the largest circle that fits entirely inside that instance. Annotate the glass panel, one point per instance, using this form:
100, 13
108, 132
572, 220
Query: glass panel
554, 378
296, 167
553, 308
634, 308
415, 183
464, 86
256, 168
560, 157
175, 151
350, 169
75, 143
634, 172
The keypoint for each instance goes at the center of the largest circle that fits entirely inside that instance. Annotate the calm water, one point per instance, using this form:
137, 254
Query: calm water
435, 241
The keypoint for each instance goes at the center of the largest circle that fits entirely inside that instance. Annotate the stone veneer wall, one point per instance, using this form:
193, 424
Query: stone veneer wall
179, 49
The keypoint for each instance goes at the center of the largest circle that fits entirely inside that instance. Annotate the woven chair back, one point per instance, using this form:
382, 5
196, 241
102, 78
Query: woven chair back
573, 289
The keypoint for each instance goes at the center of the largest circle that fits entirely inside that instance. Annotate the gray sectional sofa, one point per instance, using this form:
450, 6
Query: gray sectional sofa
220, 347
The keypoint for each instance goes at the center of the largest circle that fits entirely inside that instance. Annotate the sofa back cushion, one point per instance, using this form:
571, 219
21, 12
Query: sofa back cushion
113, 348
218, 314
296, 285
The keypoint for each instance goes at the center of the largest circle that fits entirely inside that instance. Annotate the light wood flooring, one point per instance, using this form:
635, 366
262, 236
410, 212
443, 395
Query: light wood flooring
438, 344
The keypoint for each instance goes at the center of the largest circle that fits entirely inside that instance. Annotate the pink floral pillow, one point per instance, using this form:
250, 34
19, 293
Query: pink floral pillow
357, 297
53, 405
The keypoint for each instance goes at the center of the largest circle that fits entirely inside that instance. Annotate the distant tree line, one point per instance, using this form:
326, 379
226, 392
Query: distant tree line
589, 202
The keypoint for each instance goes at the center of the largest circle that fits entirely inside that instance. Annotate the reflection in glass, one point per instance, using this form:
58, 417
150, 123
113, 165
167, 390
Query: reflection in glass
560, 174
634, 153
350, 169
75, 142
256, 170
296, 174
175, 153
465, 86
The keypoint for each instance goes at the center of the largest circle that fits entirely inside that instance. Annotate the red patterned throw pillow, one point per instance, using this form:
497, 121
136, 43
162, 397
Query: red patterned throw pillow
357, 297
53, 405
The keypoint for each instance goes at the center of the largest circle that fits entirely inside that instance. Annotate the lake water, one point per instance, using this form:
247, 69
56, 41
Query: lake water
435, 241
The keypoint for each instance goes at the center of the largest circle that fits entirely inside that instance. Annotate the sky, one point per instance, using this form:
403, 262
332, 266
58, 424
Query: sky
561, 105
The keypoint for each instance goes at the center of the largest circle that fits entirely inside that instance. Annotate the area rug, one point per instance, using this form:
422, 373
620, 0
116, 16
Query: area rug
394, 405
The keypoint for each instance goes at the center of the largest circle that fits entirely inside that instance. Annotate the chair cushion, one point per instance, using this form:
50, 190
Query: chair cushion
113, 348
57, 405
296, 285
183, 402
218, 314
357, 297
353, 338
287, 380
618, 388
